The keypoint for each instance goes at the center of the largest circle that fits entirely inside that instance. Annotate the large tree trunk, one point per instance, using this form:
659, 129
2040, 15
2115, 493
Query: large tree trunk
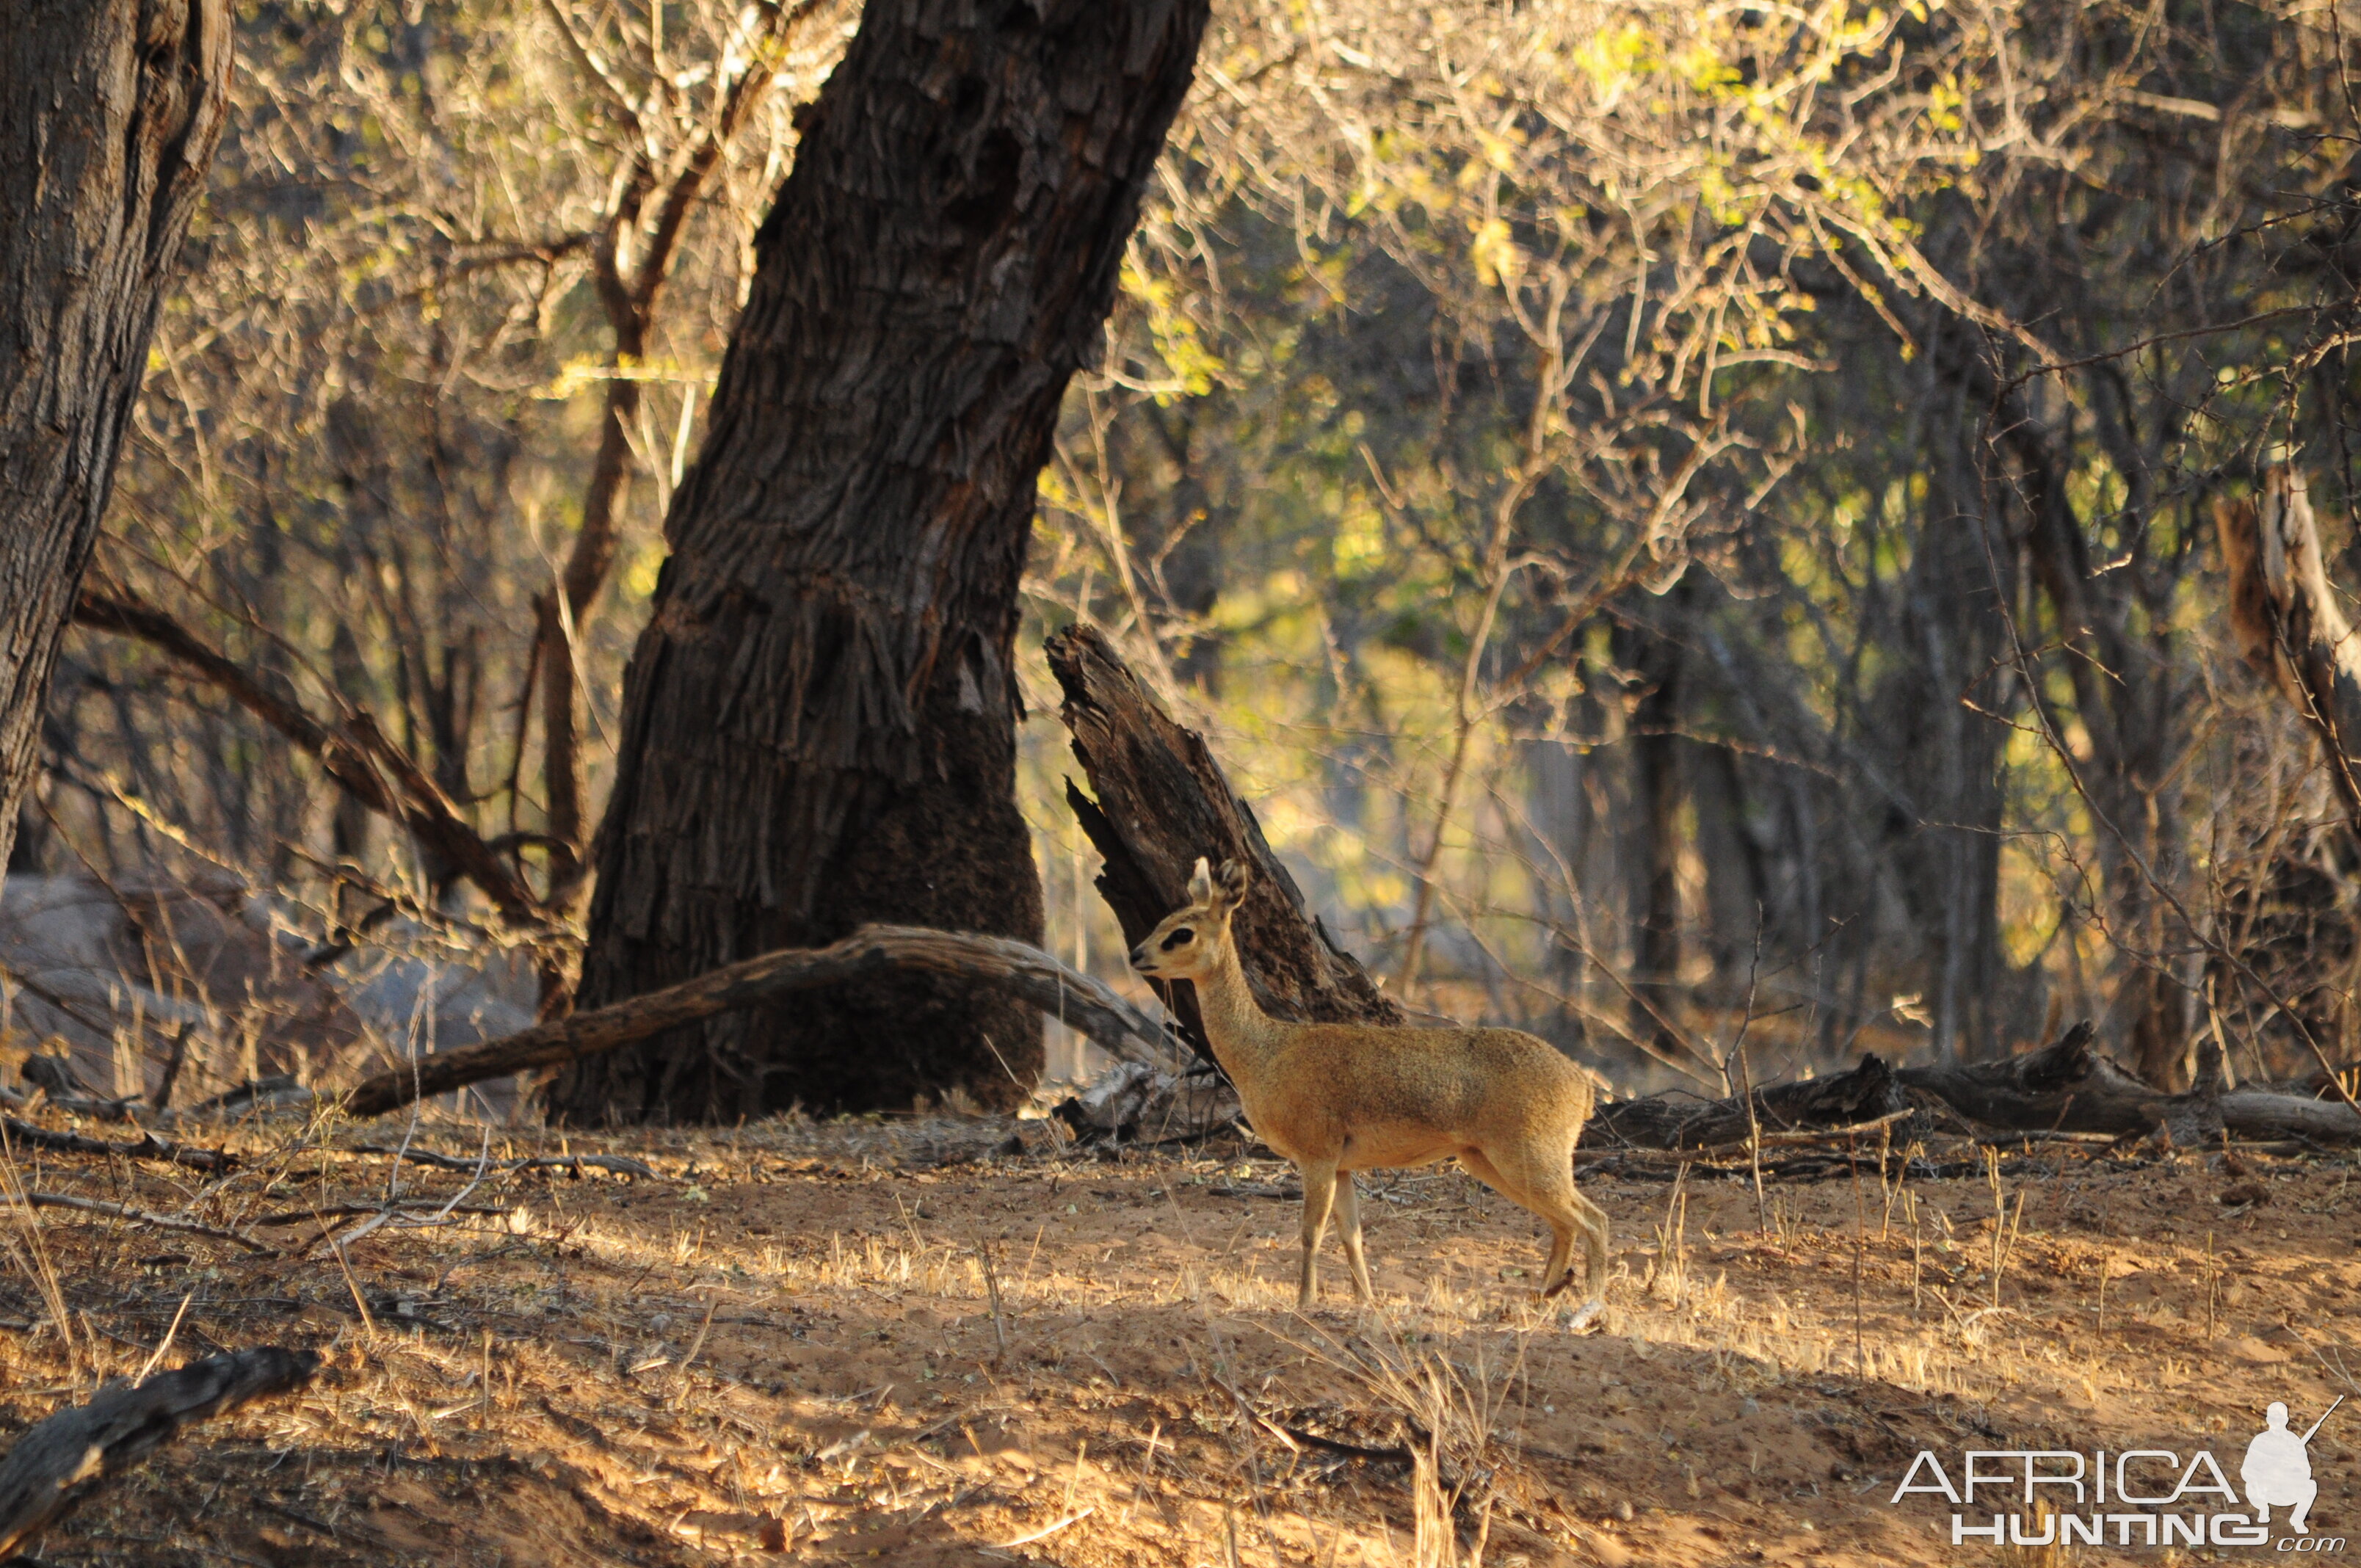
819, 722
109, 112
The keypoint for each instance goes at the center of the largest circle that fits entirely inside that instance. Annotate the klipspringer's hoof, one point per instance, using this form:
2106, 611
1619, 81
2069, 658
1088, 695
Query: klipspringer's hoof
1583, 1317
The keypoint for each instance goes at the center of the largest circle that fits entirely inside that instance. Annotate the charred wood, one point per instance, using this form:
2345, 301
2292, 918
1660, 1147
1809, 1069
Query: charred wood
1160, 802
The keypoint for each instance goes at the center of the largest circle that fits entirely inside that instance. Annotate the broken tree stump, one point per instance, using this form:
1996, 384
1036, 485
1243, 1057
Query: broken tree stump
64, 1459
1159, 802
1869, 1092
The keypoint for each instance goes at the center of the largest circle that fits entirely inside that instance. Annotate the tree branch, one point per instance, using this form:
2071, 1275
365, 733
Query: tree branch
354, 753
1082, 1002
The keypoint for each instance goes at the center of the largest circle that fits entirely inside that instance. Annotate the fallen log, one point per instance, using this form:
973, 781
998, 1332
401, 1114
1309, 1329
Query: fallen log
212, 1162
2068, 1087
55, 1078
1869, 1093
62, 1460
1160, 802
2071, 1087
1137, 1103
1026, 971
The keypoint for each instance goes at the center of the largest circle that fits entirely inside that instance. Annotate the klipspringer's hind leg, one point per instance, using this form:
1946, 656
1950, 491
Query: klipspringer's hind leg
1591, 1221
1542, 1181
1348, 1228
1480, 1166
1594, 1244
1319, 1191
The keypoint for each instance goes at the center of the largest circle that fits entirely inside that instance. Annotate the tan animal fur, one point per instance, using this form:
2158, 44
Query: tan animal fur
1337, 1098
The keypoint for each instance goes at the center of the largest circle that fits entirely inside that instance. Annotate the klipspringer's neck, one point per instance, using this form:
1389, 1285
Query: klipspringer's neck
1242, 1035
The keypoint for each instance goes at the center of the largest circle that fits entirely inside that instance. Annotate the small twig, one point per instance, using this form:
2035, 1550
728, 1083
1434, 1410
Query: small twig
393, 1210
620, 1164
1859, 1247
992, 1289
347, 1210
1395, 1455
1046, 1531
165, 1344
2213, 1283
368, 1319
136, 1216
697, 1343
150, 1146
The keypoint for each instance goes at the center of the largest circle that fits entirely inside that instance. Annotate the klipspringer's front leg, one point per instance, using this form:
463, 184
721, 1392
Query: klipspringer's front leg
1319, 1191
1348, 1227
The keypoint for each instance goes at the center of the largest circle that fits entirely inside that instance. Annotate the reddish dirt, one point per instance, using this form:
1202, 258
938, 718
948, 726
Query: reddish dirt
788, 1339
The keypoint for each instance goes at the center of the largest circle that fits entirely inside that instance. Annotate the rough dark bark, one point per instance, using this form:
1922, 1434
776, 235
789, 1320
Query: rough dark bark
1162, 803
819, 722
65, 1458
109, 117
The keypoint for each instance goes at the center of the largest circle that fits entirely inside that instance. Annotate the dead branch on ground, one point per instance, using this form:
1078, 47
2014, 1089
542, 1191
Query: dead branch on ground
2068, 1087
66, 1458
1026, 972
212, 1162
136, 1216
575, 1164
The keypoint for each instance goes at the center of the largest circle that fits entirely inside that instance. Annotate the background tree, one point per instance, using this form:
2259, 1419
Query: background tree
111, 117
387, 387
1680, 519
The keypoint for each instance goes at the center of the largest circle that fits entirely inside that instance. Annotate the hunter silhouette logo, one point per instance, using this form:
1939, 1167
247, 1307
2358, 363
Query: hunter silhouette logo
2141, 1496
2278, 1471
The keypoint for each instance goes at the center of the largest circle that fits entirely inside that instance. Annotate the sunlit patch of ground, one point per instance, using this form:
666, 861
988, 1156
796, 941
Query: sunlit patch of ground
821, 1340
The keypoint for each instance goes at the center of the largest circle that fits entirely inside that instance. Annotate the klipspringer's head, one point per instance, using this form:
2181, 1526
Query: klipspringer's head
1183, 945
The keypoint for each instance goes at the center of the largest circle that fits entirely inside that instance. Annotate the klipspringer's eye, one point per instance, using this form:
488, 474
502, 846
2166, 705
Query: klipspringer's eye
1178, 937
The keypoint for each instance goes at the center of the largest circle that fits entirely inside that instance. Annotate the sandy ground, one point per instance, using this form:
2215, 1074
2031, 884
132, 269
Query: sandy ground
827, 1343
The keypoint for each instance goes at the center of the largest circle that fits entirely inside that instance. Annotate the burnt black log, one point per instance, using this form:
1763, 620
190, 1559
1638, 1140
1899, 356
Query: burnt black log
2071, 1087
65, 1458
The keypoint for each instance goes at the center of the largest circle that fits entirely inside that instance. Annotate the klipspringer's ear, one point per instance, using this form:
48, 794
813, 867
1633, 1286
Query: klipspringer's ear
1200, 883
1234, 883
